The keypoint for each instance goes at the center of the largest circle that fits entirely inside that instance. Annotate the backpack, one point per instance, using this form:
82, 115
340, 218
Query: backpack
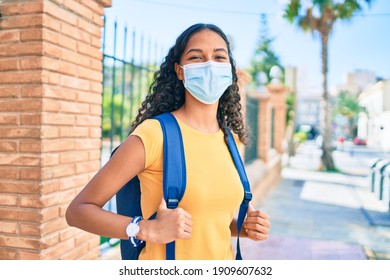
174, 183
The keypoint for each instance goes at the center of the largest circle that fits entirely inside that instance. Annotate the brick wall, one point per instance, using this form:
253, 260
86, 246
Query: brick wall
265, 173
272, 98
50, 119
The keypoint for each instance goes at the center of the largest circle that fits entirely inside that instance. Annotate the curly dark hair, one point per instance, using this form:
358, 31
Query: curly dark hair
166, 93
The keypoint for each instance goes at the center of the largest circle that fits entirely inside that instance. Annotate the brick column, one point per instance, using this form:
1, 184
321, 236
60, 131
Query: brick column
278, 99
50, 116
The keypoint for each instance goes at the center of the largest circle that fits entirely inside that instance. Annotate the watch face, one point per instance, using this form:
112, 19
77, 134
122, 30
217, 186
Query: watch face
132, 230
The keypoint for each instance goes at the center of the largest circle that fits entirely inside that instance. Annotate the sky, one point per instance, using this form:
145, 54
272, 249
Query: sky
360, 44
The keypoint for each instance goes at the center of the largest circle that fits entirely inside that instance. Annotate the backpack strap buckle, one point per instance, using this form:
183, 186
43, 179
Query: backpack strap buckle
247, 197
172, 203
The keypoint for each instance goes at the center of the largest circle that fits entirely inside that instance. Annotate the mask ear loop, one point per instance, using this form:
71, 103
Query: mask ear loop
183, 73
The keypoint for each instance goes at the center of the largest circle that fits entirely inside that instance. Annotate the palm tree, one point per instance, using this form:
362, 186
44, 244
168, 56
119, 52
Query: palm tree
318, 17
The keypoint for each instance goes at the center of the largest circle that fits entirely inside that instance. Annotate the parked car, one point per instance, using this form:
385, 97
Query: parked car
359, 141
310, 131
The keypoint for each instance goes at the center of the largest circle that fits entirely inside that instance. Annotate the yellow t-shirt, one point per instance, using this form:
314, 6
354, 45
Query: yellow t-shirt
213, 191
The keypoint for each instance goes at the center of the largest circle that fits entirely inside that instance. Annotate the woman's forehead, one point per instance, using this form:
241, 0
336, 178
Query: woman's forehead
206, 39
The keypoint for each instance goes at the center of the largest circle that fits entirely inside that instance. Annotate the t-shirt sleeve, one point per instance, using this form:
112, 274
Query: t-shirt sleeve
151, 135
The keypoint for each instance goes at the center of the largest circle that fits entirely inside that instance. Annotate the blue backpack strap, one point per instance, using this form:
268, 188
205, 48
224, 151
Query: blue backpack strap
174, 168
245, 183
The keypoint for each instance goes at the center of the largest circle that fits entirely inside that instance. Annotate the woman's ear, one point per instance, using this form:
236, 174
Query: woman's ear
179, 72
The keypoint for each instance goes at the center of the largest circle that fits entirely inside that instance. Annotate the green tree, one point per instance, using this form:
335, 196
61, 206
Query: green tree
120, 110
264, 57
347, 105
319, 17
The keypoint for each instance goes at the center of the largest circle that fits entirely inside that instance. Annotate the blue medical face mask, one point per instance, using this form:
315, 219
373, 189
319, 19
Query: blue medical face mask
207, 81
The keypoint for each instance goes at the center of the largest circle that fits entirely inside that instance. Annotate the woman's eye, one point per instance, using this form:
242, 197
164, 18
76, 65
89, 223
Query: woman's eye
220, 57
195, 57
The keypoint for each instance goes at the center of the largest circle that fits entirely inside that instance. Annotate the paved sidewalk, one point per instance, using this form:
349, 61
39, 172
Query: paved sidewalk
323, 216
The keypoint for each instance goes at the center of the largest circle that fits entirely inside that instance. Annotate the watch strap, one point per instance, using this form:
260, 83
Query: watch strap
133, 239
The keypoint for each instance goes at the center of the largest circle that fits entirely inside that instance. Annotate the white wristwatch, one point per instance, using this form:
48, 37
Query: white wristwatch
132, 230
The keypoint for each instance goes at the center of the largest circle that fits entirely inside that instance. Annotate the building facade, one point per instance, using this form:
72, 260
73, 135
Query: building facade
375, 125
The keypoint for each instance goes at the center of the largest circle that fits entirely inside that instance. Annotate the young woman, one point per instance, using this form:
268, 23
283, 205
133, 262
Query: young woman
197, 82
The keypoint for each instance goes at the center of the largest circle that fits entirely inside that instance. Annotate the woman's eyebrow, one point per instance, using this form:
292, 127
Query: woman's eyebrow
200, 50
194, 50
220, 49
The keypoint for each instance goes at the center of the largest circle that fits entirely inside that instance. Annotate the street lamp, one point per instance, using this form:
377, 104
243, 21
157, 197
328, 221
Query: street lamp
276, 74
262, 80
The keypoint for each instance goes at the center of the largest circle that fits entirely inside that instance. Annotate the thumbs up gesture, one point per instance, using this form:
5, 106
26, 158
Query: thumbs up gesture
256, 224
171, 224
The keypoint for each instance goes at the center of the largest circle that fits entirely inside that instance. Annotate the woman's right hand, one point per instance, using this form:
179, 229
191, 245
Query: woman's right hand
169, 225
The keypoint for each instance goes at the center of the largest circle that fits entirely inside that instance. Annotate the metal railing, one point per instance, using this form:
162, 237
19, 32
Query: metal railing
126, 80
252, 119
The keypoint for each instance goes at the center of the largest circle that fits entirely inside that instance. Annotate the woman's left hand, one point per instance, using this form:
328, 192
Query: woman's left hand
256, 224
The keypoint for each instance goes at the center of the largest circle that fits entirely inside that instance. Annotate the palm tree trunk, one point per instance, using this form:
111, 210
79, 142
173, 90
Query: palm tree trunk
326, 124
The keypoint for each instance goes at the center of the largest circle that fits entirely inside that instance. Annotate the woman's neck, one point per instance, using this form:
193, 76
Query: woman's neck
199, 116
